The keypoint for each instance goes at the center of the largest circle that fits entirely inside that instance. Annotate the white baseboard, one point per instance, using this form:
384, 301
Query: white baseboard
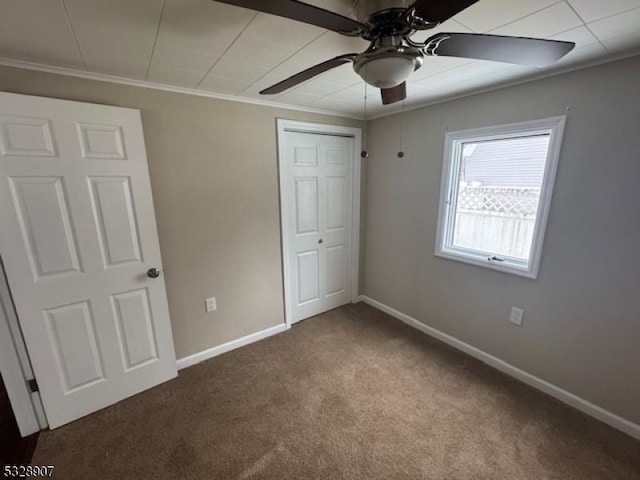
611, 419
226, 347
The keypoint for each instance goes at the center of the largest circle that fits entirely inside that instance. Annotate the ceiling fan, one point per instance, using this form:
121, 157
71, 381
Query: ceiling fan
392, 55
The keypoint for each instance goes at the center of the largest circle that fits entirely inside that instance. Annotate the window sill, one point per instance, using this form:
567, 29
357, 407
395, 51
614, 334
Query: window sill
521, 271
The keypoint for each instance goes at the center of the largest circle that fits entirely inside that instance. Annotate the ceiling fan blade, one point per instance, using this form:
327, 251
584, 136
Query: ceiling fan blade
437, 11
535, 52
303, 12
394, 94
309, 73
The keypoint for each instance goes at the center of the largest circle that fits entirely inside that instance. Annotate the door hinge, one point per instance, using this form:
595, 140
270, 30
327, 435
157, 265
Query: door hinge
33, 385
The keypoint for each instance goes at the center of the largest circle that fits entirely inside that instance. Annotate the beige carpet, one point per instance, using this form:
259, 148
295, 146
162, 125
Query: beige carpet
351, 394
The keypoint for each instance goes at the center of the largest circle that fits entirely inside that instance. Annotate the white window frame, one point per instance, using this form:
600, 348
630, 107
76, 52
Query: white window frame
449, 193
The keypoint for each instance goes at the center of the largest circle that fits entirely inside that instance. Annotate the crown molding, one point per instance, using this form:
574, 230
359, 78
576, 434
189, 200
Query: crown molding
71, 72
8, 62
508, 83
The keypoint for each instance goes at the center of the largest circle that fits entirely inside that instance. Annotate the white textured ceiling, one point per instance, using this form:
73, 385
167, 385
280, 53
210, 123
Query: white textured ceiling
214, 47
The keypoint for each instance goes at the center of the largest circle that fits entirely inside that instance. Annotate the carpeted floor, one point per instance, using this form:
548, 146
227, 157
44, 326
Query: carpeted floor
351, 394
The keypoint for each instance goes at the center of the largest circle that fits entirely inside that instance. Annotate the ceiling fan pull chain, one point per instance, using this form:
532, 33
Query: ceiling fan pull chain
365, 140
401, 152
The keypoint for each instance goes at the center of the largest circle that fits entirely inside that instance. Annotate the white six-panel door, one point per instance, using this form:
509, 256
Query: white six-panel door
77, 236
318, 191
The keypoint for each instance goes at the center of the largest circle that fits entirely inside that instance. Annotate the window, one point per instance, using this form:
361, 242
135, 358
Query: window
495, 194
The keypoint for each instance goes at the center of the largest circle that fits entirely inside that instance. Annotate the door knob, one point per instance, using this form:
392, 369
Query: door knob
153, 272
320, 241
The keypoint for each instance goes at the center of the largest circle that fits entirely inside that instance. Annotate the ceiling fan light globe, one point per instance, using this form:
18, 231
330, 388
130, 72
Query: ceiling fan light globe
388, 69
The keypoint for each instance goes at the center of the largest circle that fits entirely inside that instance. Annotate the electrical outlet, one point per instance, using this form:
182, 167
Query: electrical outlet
517, 315
210, 304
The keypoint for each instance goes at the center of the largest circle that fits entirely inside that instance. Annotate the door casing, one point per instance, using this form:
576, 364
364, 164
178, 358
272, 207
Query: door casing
16, 367
285, 191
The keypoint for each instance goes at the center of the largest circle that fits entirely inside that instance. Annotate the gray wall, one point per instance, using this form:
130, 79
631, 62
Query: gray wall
214, 175
582, 315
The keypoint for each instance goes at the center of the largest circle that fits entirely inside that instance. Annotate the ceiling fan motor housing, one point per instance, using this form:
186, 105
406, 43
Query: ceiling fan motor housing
365, 8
